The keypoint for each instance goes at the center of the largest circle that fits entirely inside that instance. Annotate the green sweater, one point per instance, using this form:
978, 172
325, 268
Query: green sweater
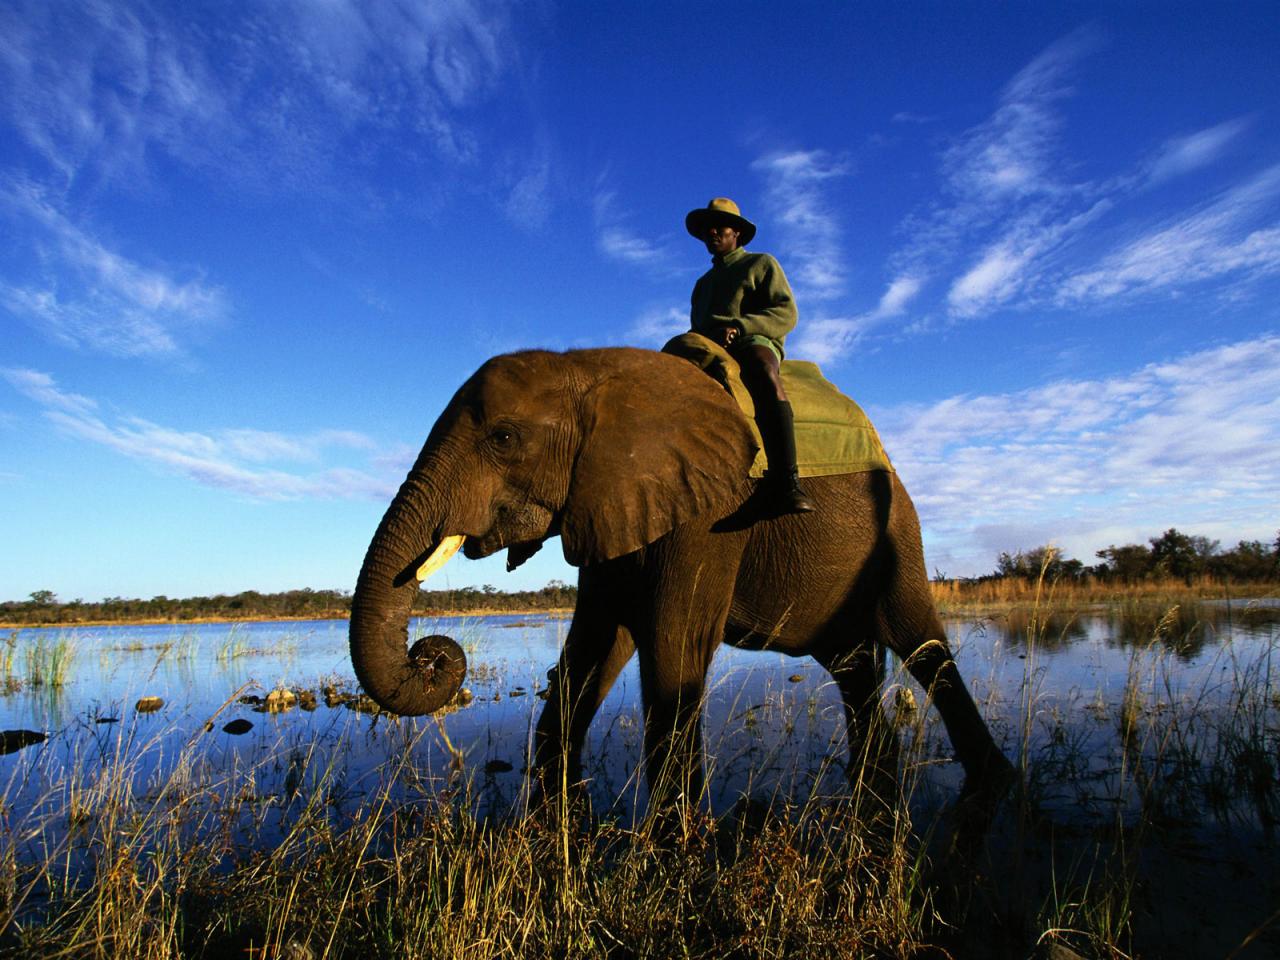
746, 289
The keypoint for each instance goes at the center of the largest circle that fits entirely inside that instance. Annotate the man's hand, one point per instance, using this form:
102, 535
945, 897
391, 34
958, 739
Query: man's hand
725, 334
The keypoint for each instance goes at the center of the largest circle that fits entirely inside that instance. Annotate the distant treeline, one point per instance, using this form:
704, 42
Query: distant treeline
1171, 556
44, 606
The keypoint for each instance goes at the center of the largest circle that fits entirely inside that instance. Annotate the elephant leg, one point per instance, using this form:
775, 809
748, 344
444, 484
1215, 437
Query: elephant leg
673, 725
873, 749
692, 586
923, 648
595, 651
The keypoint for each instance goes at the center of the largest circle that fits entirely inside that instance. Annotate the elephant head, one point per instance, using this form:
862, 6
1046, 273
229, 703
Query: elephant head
610, 449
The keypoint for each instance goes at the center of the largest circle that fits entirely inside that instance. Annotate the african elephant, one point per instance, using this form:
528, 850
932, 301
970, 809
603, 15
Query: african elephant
639, 462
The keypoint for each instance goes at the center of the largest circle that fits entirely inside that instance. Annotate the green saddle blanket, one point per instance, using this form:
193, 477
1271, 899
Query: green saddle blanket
833, 435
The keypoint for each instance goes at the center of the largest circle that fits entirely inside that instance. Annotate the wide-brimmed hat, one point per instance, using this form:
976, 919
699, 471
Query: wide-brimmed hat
719, 210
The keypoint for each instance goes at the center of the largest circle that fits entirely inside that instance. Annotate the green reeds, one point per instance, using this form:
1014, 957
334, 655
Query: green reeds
48, 660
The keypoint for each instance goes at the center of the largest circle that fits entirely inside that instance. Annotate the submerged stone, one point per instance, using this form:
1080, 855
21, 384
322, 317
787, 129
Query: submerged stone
11, 741
238, 727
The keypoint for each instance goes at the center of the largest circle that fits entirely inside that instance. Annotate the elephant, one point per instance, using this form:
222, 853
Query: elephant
639, 462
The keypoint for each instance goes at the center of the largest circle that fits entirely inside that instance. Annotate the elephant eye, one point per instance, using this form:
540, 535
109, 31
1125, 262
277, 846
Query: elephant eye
504, 438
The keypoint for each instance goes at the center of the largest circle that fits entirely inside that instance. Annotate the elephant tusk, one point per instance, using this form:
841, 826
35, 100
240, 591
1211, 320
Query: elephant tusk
445, 549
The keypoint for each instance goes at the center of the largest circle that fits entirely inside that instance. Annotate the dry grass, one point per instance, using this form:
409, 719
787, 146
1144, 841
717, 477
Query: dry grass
999, 594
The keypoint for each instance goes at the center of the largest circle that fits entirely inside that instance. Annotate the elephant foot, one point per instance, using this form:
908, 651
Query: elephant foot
678, 825
976, 808
560, 803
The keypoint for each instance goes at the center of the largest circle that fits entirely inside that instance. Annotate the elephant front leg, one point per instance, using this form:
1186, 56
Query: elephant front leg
691, 604
578, 685
673, 735
595, 652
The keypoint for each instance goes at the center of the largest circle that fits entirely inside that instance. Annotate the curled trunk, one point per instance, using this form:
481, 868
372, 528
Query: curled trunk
404, 680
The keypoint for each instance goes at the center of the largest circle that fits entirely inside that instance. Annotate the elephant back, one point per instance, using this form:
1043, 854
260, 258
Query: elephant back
833, 434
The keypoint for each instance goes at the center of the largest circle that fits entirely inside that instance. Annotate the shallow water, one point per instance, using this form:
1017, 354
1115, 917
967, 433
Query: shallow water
773, 723
1121, 721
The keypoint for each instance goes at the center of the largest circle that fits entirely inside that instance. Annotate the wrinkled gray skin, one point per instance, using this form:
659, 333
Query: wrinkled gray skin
638, 460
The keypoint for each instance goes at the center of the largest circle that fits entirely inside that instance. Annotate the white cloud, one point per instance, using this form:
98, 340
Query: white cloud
1012, 264
901, 292
528, 200
1006, 207
992, 279
1192, 443
1185, 154
41, 388
801, 212
1011, 230
103, 300
231, 459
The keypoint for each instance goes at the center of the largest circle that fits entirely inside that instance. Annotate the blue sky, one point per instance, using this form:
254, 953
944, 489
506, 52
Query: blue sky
248, 251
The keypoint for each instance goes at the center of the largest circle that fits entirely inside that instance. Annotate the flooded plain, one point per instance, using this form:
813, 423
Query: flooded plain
1149, 744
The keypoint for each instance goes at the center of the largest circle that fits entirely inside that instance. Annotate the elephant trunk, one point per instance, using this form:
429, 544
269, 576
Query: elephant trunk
405, 681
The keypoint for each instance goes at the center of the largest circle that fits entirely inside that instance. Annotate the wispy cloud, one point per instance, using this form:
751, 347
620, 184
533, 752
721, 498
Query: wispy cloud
1184, 154
245, 461
615, 236
1225, 237
528, 190
826, 338
1193, 443
1005, 206
655, 327
1008, 266
1011, 155
1010, 228
800, 209
281, 92
101, 300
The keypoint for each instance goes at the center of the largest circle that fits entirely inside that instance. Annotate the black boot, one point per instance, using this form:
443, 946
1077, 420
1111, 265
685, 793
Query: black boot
783, 479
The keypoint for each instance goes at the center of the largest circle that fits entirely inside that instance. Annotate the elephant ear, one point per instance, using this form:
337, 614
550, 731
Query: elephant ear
662, 443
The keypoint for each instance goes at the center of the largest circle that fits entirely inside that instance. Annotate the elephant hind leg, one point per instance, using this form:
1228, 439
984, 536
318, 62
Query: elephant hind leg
908, 624
920, 642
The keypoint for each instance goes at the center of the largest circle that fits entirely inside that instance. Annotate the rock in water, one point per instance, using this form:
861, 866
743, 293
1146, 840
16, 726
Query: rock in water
280, 699
11, 741
238, 727
149, 704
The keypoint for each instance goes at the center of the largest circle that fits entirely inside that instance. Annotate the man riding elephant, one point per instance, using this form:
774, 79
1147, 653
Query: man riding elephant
744, 304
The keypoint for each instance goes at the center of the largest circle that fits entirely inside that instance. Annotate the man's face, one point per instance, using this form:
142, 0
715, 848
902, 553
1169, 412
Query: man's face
721, 238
